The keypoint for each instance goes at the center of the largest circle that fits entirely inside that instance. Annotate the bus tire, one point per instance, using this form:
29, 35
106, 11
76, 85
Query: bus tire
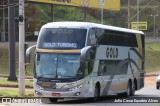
157, 86
134, 87
96, 93
130, 89
53, 100
135, 84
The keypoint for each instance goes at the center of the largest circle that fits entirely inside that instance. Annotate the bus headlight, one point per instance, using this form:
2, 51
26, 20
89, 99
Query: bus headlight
39, 87
76, 87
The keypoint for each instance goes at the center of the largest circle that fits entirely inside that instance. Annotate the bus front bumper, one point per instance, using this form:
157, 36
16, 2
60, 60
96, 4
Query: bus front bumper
42, 93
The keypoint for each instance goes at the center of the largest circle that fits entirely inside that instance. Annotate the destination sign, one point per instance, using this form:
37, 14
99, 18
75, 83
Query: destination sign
59, 45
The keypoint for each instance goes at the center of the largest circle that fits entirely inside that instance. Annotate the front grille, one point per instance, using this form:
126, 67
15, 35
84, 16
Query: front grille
56, 90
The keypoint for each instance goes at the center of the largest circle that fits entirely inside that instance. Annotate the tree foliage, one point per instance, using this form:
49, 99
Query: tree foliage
39, 14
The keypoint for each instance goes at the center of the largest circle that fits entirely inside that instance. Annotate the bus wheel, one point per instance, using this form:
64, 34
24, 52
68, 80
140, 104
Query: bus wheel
130, 89
133, 89
96, 93
157, 86
52, 100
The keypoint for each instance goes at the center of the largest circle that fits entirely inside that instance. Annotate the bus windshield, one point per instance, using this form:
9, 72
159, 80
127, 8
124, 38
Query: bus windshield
62, 38
57, 65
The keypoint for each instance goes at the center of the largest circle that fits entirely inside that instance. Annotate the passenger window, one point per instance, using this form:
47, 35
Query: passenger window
102, 68
123, 69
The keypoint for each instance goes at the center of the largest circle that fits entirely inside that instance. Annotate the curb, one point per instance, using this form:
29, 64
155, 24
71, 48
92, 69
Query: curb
150, 75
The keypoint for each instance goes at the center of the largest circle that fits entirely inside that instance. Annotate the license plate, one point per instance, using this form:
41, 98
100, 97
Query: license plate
56, 94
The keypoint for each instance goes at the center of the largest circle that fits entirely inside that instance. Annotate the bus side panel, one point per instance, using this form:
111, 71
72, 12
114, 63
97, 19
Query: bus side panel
113, 68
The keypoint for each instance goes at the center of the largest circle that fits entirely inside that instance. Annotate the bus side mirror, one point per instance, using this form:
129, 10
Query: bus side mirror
28, 53
88, 52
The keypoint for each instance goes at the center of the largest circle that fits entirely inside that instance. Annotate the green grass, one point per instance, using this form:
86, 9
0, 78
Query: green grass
4, 81
15, 93
4, 63
152, 57
153, 47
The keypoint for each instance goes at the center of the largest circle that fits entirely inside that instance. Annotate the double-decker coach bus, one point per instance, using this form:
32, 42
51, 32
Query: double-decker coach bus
82, 59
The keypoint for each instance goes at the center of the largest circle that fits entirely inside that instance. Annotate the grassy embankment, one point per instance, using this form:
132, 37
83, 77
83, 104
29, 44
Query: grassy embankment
152, 57
7, 92
4, 81
14, 93
4, 63
4, 69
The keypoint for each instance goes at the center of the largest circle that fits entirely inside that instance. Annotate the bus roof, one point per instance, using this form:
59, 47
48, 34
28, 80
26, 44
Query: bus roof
87, 25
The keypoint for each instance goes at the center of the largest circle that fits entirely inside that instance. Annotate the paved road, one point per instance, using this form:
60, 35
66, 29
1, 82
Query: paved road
147, 91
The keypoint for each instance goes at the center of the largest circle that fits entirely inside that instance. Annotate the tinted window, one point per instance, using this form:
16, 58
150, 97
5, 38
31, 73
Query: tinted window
123, 69
62, 38
107, 67
117, 38
110, 67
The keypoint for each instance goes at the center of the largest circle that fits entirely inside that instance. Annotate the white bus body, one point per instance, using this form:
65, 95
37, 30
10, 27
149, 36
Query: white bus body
107, 60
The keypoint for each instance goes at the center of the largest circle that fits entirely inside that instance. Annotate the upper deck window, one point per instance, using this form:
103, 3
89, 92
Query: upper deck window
62, 38
111, 37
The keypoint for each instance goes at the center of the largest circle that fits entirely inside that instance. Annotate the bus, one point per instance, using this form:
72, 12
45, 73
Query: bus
87, 60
